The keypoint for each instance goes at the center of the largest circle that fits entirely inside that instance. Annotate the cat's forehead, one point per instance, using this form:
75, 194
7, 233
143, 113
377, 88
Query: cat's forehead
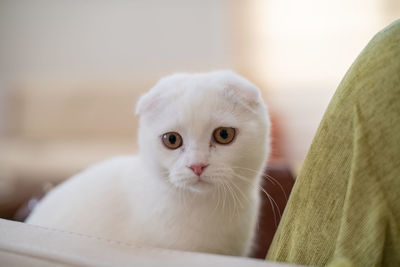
197, 108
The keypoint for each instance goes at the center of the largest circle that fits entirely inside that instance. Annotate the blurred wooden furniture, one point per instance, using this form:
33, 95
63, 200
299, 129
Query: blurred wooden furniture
278, 183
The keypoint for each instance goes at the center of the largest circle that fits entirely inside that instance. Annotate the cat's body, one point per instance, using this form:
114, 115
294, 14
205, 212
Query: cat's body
204, 142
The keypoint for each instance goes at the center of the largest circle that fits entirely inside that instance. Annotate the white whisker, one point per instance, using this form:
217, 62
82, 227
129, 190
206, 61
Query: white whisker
269, 177
271, 200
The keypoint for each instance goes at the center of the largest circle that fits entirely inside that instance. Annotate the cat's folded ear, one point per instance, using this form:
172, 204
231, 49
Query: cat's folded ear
240, 89
145, 102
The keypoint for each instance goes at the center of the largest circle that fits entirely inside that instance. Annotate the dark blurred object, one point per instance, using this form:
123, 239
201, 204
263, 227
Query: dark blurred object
278, 183
23, 212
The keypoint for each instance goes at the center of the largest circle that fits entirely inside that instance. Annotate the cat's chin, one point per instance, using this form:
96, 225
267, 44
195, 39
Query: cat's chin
197, 186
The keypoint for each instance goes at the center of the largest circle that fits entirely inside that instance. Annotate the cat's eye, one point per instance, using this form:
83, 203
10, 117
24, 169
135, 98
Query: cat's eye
224, 135
172, 140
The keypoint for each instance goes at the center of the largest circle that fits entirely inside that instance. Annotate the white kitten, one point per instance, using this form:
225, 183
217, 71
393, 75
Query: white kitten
204, 142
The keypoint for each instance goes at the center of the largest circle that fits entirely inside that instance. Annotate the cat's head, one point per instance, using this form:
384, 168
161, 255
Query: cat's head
201, 131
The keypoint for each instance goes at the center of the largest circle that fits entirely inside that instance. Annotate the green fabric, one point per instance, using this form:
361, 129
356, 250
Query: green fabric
344, 209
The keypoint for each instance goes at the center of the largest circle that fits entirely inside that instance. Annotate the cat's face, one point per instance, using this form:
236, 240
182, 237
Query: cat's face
201, 131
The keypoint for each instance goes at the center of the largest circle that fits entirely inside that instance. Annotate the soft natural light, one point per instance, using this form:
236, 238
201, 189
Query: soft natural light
301, 51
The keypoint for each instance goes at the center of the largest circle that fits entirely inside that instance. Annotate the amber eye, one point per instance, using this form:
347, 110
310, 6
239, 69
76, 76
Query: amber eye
224, 135
172, 140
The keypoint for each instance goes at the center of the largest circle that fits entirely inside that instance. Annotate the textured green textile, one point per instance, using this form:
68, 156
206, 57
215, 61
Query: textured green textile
344, 209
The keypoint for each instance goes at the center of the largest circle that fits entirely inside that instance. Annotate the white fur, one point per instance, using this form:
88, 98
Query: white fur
154, 198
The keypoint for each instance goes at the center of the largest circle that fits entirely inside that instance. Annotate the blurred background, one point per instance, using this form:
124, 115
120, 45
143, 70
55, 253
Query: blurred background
71, 71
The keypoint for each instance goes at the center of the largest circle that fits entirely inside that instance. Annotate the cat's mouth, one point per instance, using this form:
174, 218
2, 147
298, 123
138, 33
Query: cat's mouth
195, 184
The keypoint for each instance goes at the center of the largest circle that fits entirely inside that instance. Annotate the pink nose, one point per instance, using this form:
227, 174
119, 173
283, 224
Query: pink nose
198, 168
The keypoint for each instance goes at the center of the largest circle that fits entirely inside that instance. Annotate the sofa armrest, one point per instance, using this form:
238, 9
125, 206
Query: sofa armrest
26, 245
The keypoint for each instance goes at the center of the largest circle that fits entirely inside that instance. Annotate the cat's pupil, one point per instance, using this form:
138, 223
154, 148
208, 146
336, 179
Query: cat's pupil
223, 133
172, 139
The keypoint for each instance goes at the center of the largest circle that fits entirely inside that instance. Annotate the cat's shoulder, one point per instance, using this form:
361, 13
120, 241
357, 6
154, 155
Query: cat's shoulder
103, 171
103, 174
111, 167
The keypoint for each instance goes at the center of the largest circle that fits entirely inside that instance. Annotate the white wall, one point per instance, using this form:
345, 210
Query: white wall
75, 39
